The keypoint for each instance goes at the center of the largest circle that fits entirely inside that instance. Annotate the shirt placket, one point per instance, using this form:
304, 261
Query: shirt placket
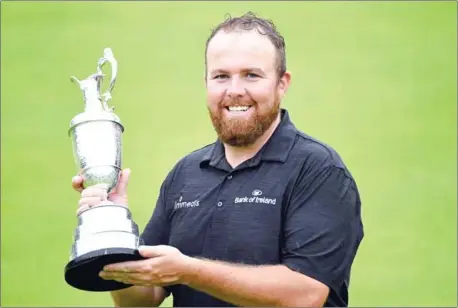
216, 237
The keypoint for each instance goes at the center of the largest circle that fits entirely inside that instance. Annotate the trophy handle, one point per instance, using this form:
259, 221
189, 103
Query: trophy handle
109, 58
92, 85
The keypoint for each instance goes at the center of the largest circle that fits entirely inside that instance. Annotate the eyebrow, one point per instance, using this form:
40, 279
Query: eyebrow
218, 71
254, 70
250, 69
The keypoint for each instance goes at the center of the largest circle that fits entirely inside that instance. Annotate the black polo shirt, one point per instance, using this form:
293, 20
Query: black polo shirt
294, 203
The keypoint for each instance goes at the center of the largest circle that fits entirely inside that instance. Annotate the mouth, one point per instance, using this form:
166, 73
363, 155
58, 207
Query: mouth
237, 109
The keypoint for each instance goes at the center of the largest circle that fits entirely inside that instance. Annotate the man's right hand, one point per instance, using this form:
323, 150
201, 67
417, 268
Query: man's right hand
136, 296
97, 194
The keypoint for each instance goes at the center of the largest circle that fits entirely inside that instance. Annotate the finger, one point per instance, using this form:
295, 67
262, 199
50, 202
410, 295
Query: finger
85, 206
141, 266
91, 201
139, 279
82, 208
123, 181
95, 191
153, 251
77, 183
143, 283
125, 277
120, 279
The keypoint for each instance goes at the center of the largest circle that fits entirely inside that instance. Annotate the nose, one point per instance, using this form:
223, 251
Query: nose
235, 88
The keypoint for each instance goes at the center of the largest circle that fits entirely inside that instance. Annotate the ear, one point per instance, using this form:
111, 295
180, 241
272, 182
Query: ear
284, 83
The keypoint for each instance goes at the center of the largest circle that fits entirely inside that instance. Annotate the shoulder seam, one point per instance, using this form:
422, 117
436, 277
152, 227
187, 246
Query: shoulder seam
334, 158
304, 136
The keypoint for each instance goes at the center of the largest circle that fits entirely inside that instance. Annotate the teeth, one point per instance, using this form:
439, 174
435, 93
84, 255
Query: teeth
238, 108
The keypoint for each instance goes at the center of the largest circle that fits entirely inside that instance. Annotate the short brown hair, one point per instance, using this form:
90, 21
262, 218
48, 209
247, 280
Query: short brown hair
250, 21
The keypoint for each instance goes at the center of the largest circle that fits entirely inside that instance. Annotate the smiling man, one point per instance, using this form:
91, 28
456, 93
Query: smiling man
264, 216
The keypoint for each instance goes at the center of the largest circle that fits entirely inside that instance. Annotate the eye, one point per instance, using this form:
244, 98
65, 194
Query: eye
252, 76
221, 77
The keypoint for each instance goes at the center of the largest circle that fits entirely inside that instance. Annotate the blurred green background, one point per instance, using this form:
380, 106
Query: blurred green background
377, 81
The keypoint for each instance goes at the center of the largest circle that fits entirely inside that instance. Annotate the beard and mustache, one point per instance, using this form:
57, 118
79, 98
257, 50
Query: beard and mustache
240, 132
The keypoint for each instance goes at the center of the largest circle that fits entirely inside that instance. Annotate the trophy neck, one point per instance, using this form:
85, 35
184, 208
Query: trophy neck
93, 104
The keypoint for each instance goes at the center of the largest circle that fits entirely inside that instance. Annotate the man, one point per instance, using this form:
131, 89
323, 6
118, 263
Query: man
264, 216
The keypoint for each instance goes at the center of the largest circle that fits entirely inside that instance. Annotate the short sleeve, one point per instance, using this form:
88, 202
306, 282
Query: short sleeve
322, 226
157, 230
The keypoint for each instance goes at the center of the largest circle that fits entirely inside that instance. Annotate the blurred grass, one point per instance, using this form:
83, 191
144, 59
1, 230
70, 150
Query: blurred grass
377, 81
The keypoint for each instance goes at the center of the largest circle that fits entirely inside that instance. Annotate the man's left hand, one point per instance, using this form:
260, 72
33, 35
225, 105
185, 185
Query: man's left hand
165, 265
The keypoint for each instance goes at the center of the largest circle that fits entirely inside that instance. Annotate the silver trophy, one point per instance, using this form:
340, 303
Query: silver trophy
106, 233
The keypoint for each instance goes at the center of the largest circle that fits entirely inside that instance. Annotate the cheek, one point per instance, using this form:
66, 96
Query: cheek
215, 95
263, 94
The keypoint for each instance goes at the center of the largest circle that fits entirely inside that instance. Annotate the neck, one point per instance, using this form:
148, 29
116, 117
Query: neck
237, 155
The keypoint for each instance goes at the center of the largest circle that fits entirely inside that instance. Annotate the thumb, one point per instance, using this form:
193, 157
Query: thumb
123, 181
153, 251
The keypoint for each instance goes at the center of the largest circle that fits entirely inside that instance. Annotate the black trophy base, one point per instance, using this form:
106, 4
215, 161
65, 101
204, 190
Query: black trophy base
83, 272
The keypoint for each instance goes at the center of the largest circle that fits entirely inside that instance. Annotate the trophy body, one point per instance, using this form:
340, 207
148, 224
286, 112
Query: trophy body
106, 233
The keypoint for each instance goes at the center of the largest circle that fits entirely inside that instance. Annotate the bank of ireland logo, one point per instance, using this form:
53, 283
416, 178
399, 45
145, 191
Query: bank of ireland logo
256, 198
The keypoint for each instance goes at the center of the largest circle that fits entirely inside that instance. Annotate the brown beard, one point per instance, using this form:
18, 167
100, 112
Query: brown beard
239, 133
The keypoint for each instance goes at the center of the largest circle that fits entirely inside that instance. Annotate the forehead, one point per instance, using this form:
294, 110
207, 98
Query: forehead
241, 49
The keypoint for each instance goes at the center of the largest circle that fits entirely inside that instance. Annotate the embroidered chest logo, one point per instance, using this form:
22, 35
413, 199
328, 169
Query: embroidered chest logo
185, 204
255, 198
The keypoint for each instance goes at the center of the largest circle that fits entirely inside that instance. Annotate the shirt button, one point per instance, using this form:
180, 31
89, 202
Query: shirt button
220, 204
229, 177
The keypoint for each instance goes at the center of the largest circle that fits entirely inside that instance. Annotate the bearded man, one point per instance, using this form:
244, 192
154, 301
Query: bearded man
264, 216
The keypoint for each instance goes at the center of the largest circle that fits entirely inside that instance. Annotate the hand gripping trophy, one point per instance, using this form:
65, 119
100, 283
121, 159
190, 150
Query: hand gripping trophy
104, 234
